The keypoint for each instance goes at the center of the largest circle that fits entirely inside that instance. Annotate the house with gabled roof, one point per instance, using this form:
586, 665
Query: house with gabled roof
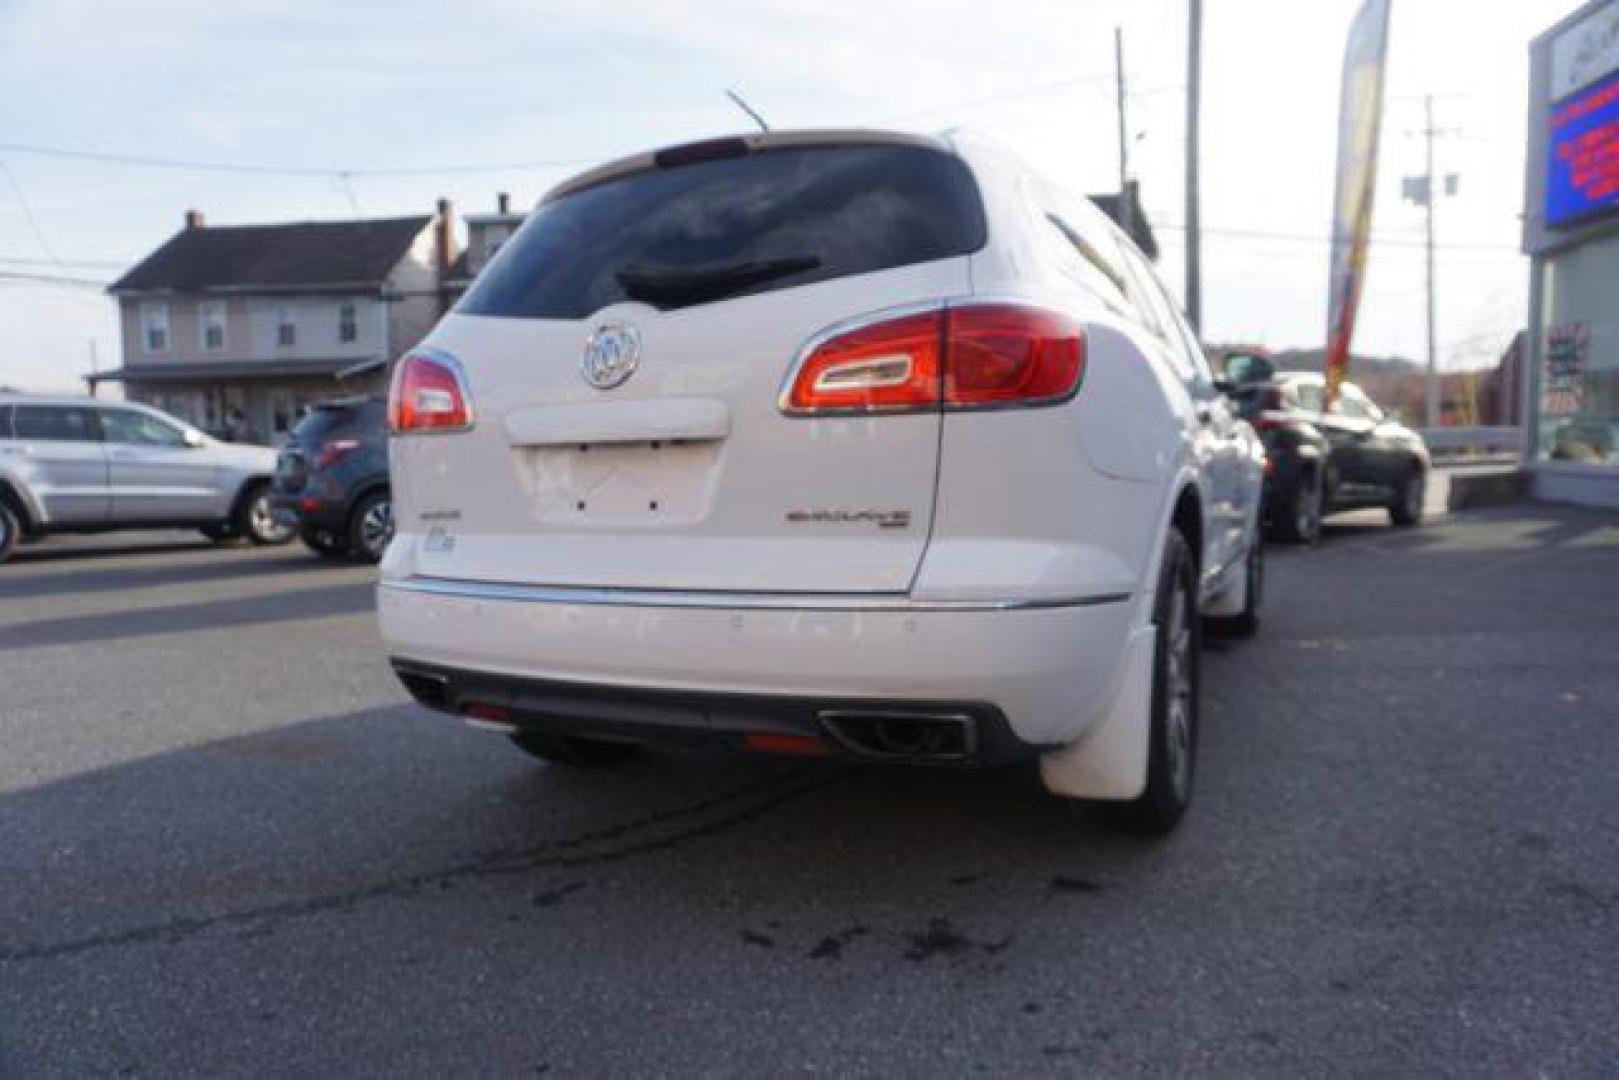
259, 321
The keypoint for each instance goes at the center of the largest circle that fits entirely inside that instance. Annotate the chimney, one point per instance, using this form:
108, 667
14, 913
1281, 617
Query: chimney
444, 249
193, 219
503, 202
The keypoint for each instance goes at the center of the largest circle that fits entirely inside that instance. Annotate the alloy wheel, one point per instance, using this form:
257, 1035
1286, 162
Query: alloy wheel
1307, 512
377, 527
262, 519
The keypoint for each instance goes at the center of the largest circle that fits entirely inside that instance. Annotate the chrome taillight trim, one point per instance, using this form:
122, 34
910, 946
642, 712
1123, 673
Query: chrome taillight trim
457, 371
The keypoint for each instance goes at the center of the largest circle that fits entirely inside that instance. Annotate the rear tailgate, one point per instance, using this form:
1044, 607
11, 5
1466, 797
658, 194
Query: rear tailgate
687, 475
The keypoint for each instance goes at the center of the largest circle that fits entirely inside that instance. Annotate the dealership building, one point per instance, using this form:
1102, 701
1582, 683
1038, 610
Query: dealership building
1571, 234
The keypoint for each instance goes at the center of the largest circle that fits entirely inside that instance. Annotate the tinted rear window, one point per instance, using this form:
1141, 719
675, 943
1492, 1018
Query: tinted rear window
359, 418
774, 219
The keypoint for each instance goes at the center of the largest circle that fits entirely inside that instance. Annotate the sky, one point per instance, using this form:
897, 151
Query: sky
385, 106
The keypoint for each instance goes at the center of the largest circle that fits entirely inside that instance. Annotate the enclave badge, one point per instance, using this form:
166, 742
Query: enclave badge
611, 355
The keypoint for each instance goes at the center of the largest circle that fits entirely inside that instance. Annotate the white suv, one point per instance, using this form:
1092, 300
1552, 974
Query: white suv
822, 443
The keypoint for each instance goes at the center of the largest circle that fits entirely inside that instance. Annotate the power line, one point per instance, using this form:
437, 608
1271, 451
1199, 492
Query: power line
28, 216
1309, 238
142, 161
21, 278
80, 264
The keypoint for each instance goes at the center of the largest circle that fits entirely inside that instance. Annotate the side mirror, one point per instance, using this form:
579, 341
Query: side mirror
195, 439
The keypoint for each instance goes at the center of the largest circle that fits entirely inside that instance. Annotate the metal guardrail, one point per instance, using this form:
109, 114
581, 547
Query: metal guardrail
1482, 441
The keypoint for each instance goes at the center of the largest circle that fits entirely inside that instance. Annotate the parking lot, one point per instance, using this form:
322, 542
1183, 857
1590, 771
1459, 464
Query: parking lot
230, 844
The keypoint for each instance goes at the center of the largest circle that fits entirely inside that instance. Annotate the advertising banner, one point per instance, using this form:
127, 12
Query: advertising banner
1360, 122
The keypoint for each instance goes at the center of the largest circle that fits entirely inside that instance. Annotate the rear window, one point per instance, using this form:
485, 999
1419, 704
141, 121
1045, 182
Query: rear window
361, 418
695, 233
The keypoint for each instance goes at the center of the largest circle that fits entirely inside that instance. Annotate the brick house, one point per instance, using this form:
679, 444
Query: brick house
265, 319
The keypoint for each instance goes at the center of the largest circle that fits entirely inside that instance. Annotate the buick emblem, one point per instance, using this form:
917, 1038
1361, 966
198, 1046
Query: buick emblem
611, 355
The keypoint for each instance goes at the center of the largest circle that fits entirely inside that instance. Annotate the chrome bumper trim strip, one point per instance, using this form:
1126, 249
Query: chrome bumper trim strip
676, 598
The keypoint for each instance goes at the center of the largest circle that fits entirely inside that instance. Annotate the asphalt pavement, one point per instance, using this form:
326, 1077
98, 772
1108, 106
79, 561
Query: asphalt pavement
229, 844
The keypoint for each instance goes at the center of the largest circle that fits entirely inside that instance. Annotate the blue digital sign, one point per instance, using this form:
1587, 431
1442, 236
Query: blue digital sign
1583, 163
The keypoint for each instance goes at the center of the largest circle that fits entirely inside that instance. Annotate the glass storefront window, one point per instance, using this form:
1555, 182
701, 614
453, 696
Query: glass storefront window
1578, 411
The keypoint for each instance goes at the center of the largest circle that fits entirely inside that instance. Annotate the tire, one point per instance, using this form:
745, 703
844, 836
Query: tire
1245, 624
574, 751
1172, 747
371, 526
322, 543
1298, 514
1406, 509
255, 521
10, 531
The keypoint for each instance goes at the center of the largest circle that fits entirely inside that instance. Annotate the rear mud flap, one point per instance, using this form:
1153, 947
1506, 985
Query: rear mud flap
1110, 760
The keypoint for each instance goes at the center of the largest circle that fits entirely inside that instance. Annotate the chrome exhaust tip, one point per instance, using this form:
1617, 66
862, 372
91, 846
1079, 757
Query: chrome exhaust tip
899, 736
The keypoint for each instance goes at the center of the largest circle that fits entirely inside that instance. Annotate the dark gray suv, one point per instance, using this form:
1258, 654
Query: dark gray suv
331, 479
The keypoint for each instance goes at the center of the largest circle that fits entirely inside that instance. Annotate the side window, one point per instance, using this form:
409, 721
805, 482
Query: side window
5, 422
1145, 297
1309, 396
1350, 405
1081, 261
1353, 402
56, 423
1160, 318
139, 429
1202, 373
348, 323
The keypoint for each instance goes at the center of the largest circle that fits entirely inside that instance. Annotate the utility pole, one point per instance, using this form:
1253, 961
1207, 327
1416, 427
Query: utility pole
1424, 190
1432, 410
1126, 210
1194, 235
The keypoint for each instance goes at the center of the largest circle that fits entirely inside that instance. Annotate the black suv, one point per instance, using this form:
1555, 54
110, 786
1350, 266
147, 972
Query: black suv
331, 479
1319, 461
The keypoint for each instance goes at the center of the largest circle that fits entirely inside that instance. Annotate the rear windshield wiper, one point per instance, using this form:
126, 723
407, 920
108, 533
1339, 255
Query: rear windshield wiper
673, 288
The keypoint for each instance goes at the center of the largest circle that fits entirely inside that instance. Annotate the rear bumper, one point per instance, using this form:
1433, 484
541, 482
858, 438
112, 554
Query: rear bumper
700, 665
977, 733
310, 511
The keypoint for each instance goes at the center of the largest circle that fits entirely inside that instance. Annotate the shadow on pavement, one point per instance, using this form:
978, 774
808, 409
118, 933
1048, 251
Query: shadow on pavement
204, 617
327, 816
229, 565
47, 551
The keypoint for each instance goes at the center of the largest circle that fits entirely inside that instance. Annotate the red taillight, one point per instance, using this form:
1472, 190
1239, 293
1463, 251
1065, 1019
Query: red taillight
334, 451
967, 357
483, 710
429, 393
885, 367
1008, 354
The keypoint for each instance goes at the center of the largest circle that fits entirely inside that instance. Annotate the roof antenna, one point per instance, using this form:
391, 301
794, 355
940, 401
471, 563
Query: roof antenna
745, 107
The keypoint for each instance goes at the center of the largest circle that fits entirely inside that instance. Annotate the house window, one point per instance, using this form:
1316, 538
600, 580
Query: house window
155, 327
348, 325
282, 414
211, 318
286, 331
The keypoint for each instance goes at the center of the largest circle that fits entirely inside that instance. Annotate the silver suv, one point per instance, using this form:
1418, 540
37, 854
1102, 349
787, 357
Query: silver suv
70, 464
